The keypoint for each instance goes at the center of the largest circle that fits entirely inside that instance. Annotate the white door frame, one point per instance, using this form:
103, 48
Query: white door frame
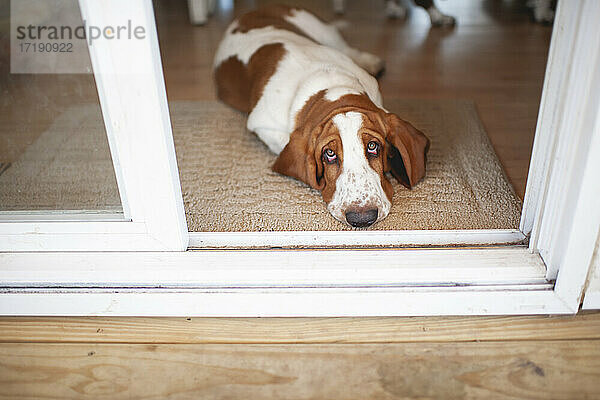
591, 301
562, 188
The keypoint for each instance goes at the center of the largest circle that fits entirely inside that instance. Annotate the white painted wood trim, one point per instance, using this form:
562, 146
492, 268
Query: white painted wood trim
275, 268
572, 187
333, 282
70, 228
133, 100
323, 239
591, 301
250, 283
551, 113
62, 215
82, 242
281, 302
577, 252
134, 104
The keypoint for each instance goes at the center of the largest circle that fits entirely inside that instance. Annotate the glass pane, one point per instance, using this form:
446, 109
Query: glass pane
54, 152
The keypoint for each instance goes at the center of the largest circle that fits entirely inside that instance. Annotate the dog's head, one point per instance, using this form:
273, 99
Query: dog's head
346, 156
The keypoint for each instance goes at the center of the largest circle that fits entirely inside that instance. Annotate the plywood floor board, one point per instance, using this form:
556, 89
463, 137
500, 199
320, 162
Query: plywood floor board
522, 370
299, 330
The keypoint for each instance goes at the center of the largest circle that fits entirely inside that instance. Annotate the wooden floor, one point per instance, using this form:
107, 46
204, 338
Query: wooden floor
329, 358
496, 57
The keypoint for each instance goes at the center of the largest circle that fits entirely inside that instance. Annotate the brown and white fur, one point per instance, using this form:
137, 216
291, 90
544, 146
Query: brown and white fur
310, 99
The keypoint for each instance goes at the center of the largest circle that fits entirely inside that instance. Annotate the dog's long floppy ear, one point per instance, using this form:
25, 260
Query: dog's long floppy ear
298, 160
407, 152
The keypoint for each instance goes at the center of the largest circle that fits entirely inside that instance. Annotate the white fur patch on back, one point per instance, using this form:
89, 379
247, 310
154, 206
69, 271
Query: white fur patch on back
358, 185
243, 44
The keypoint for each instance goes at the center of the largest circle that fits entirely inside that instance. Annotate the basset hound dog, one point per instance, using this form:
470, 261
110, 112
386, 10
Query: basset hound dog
313, 100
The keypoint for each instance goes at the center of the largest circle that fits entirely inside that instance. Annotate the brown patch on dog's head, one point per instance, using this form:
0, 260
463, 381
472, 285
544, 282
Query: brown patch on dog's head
400, 148
304, 157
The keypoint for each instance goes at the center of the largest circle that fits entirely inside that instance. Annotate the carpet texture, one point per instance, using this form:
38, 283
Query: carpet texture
227, 183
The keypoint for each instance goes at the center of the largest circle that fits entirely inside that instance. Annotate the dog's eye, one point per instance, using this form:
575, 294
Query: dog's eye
329, 156
373, 148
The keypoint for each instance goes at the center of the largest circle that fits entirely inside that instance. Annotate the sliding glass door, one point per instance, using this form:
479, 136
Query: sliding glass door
87, 159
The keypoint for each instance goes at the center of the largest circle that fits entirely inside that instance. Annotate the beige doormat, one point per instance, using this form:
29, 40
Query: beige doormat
227, 183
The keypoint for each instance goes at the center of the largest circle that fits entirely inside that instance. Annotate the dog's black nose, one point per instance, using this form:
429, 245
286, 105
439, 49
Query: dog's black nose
361, 219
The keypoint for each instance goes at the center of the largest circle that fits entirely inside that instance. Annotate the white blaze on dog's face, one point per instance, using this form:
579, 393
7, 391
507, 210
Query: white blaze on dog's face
359, 198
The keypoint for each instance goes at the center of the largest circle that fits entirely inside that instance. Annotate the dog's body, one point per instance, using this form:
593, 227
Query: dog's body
293, 64
311, 102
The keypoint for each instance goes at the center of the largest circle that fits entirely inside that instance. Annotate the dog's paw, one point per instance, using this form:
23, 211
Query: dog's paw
340, 24
339, 6
542, 11
371, 63
446, 20
440, 19
543, 16
394, 10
